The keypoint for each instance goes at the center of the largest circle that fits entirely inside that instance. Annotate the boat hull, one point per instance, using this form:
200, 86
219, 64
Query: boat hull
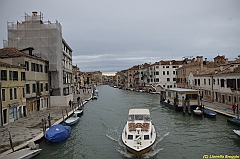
139, 153
26, 153
237, 132
72, 121
210, 113
234, 121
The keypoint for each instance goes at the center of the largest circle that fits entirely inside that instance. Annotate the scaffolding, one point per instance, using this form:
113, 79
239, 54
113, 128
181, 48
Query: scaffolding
44, 37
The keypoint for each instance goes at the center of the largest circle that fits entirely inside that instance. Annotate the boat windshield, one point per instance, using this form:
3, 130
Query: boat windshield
146, 117
131, 118
138, 117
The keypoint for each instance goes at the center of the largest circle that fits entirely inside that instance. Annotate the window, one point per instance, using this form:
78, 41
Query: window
23, 76
157, 79
130, 137
157, 73
229, 98
3, 95
34, 88
46, 69
3, 75
40, 68
174, 79
168, 79
163, 72
146, 137
27, 65
27, 89
209, 81
167, 66
199, 82
37, 68
15, 75
167, 72
33, 66
23, 92
15, 93
174, 72
10, 75
10, 94
41, 87
222, 82
191, 96
204, 81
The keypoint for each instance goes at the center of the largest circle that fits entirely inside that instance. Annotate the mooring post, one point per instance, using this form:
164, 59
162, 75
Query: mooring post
43, 127
49, 121
67, 113
45, 124
202, 110
189, 108
62, 115
184, 105
10, 140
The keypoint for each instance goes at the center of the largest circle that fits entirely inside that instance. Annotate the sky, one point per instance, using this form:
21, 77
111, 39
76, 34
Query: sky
114, 35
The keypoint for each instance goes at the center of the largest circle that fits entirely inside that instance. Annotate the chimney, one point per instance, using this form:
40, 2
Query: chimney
226, 61
34, 13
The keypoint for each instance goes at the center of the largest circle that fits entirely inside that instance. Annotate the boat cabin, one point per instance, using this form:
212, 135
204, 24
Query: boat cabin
175, 97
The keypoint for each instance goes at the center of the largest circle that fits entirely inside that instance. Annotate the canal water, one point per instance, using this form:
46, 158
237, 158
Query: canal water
97, 134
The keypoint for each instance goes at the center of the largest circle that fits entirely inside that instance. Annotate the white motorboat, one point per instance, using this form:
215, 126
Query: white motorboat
198, 111
25, 153
139, 132
78, 112
237, 132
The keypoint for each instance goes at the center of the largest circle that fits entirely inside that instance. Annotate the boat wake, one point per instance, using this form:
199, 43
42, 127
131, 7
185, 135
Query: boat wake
115, 135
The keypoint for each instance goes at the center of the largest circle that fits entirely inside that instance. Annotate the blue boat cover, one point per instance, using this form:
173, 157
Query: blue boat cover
58, 133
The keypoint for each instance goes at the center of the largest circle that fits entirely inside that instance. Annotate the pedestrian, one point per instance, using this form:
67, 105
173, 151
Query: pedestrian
78, 100
234, 107
70, 103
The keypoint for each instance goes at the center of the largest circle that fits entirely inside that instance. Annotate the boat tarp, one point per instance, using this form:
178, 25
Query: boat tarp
58, 133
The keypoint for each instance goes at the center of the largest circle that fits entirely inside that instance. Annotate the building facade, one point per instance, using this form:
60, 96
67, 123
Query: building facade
48, 43
12, 92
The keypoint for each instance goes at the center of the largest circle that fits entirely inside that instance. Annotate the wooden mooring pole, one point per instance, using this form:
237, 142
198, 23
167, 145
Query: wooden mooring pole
49, 121
184, 105
10, 140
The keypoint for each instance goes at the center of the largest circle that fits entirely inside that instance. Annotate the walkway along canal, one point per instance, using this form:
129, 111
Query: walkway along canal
97, 134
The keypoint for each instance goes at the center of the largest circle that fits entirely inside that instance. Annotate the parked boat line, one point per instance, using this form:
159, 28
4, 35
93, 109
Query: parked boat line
41, 135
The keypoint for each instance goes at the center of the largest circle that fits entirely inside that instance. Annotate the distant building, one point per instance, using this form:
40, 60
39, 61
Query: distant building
48, 43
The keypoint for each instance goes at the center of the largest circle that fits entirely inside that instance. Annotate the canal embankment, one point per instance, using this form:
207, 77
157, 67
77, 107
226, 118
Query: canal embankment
30, 128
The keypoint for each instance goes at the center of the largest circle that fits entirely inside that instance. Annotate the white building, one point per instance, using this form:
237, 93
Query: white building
166, 73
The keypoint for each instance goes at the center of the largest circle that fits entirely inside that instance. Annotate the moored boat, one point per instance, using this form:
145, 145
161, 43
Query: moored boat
237, 132
198, 111
25, 153
72, 120
235, 121
78, 112
95, 94
175, 98
139, 133
58, 133
209, 113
